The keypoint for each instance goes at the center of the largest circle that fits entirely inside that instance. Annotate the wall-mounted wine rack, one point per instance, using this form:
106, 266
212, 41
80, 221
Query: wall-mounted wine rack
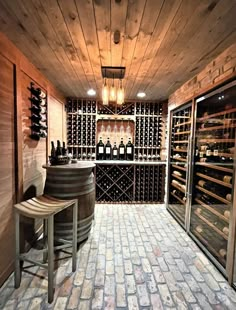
38, 109
116, 182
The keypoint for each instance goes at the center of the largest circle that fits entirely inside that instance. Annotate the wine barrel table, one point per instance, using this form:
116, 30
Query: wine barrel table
72, 181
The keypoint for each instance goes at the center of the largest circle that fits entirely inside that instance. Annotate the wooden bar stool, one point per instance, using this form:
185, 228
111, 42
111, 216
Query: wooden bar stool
44, 207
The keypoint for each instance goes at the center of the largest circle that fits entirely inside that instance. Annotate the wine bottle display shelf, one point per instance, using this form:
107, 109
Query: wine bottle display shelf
216, 166
130, 183
217, 128
224, 113
212, 194
212, 210
213, 180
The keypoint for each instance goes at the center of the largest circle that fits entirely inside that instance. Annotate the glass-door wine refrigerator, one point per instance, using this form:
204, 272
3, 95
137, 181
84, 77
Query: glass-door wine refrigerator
179, 150
201, 174
213, 172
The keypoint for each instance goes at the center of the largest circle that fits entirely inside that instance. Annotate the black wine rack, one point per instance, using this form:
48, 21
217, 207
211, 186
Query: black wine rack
38, 115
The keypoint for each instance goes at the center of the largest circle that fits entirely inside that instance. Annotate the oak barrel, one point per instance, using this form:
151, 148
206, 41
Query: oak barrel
72, 181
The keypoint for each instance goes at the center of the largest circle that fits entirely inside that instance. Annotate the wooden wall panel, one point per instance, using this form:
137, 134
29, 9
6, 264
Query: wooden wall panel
7, 167
21, 173
56, 121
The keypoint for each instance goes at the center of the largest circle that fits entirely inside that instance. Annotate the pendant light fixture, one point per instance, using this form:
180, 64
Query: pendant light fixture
105, 93
114, 92
120, 94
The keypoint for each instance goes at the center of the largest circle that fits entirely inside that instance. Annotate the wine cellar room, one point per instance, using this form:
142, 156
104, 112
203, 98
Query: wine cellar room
118, 143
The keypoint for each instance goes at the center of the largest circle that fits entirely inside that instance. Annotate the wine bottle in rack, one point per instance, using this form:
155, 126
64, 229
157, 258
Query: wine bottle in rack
108, 150
129, 150
100, 150
121, 150
114, 152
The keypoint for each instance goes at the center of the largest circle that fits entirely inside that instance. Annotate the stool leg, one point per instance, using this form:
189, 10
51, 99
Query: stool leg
45, 238
17, 251
74, 245
50, 258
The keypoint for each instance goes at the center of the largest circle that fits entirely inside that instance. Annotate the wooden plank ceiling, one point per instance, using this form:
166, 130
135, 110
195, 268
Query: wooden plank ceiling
163, 43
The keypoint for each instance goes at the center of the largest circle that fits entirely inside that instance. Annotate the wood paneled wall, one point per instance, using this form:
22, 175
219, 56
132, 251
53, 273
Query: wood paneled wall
7, 164
21, 158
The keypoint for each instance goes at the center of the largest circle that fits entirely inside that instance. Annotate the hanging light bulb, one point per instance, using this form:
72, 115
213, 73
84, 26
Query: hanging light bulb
120, 94
112, 93
105, 93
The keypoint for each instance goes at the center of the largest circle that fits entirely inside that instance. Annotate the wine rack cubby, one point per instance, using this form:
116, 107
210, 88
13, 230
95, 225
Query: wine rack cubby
140, 122
38, 115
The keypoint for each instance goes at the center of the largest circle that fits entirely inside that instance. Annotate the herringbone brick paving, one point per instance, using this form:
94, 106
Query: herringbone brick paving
137, 257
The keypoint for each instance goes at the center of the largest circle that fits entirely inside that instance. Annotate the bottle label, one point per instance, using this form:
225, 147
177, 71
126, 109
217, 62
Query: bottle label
129, 150
208, 153
201, 154
122, 150
114, 152
216, 153
108, 150
100, 149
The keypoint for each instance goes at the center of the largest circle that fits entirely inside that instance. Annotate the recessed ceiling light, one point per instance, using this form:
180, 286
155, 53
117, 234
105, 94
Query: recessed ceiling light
141, 94
91, 92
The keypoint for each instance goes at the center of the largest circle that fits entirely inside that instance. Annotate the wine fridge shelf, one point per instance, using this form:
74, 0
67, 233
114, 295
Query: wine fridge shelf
221, 113
212, 210
212, 194
214, 180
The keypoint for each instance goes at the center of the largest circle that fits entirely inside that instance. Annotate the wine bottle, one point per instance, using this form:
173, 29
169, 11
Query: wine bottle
35, 109
129, 150
108, 150
37, 92
53, 150
121, 150
223, 253
36, 118
114, 152
100, 150
64, 150
58, 149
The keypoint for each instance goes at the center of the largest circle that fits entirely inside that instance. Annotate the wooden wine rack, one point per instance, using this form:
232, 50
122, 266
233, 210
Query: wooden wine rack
84, 121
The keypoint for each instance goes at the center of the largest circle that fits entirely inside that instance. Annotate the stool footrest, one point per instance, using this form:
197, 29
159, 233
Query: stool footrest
29, 260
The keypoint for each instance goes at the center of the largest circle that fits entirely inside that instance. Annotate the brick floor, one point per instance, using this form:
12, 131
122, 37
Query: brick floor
137, 257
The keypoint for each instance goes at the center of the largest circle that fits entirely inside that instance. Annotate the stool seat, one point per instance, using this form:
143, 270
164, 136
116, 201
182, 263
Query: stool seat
44, 207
